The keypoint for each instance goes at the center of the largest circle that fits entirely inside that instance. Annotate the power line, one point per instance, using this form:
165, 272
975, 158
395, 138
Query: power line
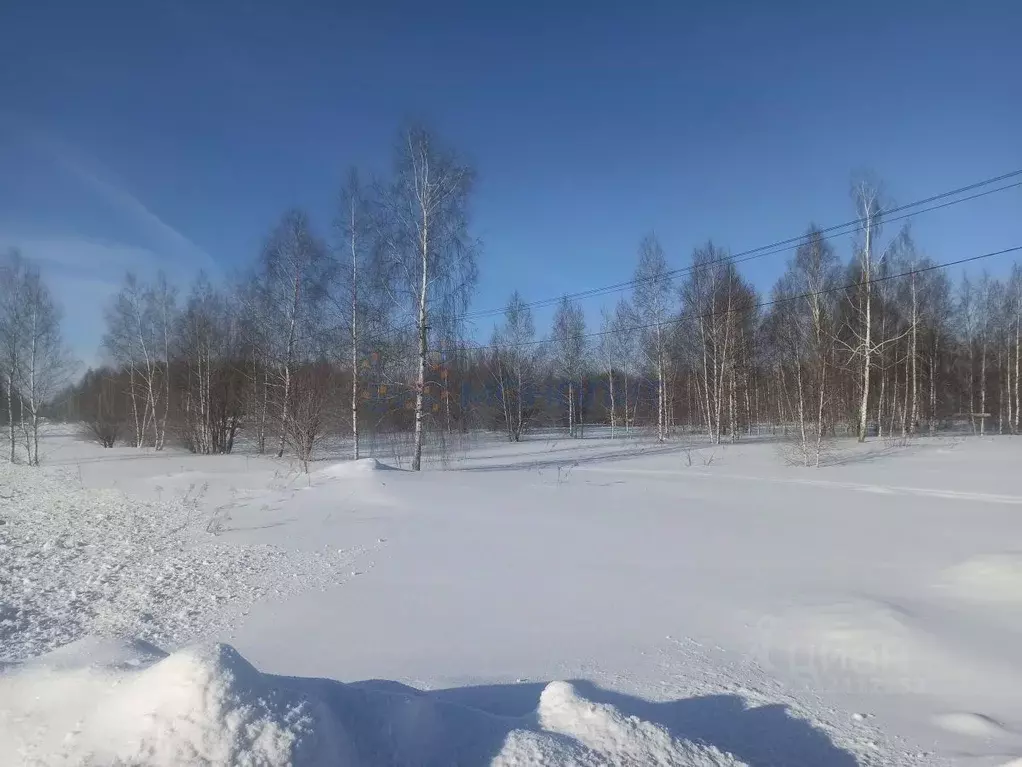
753, 307
785, 244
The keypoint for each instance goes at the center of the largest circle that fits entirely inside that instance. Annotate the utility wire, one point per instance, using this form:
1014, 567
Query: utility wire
753, 307
783, 245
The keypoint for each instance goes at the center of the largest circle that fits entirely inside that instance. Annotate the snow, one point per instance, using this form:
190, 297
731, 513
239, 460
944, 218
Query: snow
694, 596
988, 578
103, 703
351, 468
80, 561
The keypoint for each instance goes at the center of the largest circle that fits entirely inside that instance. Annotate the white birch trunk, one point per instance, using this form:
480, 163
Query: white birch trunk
420, 384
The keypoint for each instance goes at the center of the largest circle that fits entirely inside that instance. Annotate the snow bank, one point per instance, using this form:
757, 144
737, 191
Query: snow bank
102, 703
352, 468
78, 562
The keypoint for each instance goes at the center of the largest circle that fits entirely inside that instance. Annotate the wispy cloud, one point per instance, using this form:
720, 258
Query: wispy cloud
86, 270
134, 221
165, 239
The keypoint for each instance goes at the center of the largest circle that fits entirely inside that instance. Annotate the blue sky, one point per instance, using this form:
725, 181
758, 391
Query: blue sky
171, 135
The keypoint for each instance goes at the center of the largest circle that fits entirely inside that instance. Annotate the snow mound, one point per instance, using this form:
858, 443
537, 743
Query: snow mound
990, 578
97, 703
204, 706
352, 468
616, 739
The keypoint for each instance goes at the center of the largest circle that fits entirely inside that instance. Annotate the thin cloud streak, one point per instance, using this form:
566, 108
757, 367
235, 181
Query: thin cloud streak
164, 238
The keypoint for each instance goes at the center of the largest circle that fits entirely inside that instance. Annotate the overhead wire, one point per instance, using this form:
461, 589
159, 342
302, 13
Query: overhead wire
750, 308
783, 245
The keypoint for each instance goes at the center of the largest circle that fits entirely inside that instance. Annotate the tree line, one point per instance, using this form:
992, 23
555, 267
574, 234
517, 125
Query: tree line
365, 331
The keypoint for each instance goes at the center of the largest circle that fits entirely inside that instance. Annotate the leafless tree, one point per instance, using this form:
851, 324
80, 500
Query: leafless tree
514, 362
429, 259
210, 361
1015, 314
306, 412
138, 337
289, 287
718, 314
802, 327
45, 364
968, 316
12, 269
871, 260
569, 351
625, 353
653, 300
935, 316
607, 353
354, 296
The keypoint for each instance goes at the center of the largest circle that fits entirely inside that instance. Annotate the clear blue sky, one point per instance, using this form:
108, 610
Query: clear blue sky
143, 134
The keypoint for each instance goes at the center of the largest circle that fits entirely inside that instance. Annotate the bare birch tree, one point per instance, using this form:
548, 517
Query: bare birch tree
607, 353
354, 234
429, 259
139, 323
569, 349
514, 361
12, 282
45, 362
289, 288
870, 261
802, 324
653, 301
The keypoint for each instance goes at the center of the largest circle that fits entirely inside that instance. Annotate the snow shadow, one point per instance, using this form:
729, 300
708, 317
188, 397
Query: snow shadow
761, 736
531, 463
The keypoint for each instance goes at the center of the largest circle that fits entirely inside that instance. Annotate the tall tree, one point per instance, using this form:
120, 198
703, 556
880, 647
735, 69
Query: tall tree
354, 229
211, 364
718, 316
289, 287
514, 361
870, 264
429, 261
801, 327
131, 342
569, 353
653, 301
12, 269
45, 363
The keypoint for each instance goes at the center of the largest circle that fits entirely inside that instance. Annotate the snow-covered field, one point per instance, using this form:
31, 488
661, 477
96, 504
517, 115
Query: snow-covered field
701, 605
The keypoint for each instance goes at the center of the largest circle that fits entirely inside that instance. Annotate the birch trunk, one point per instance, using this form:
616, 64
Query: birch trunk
1018, 354
354, 339
867, 345
915, 358
420, 383
571, 409
983, 389
613, 407
289, 354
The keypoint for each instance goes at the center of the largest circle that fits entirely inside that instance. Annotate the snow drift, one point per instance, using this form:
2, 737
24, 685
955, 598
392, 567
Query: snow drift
97, 702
